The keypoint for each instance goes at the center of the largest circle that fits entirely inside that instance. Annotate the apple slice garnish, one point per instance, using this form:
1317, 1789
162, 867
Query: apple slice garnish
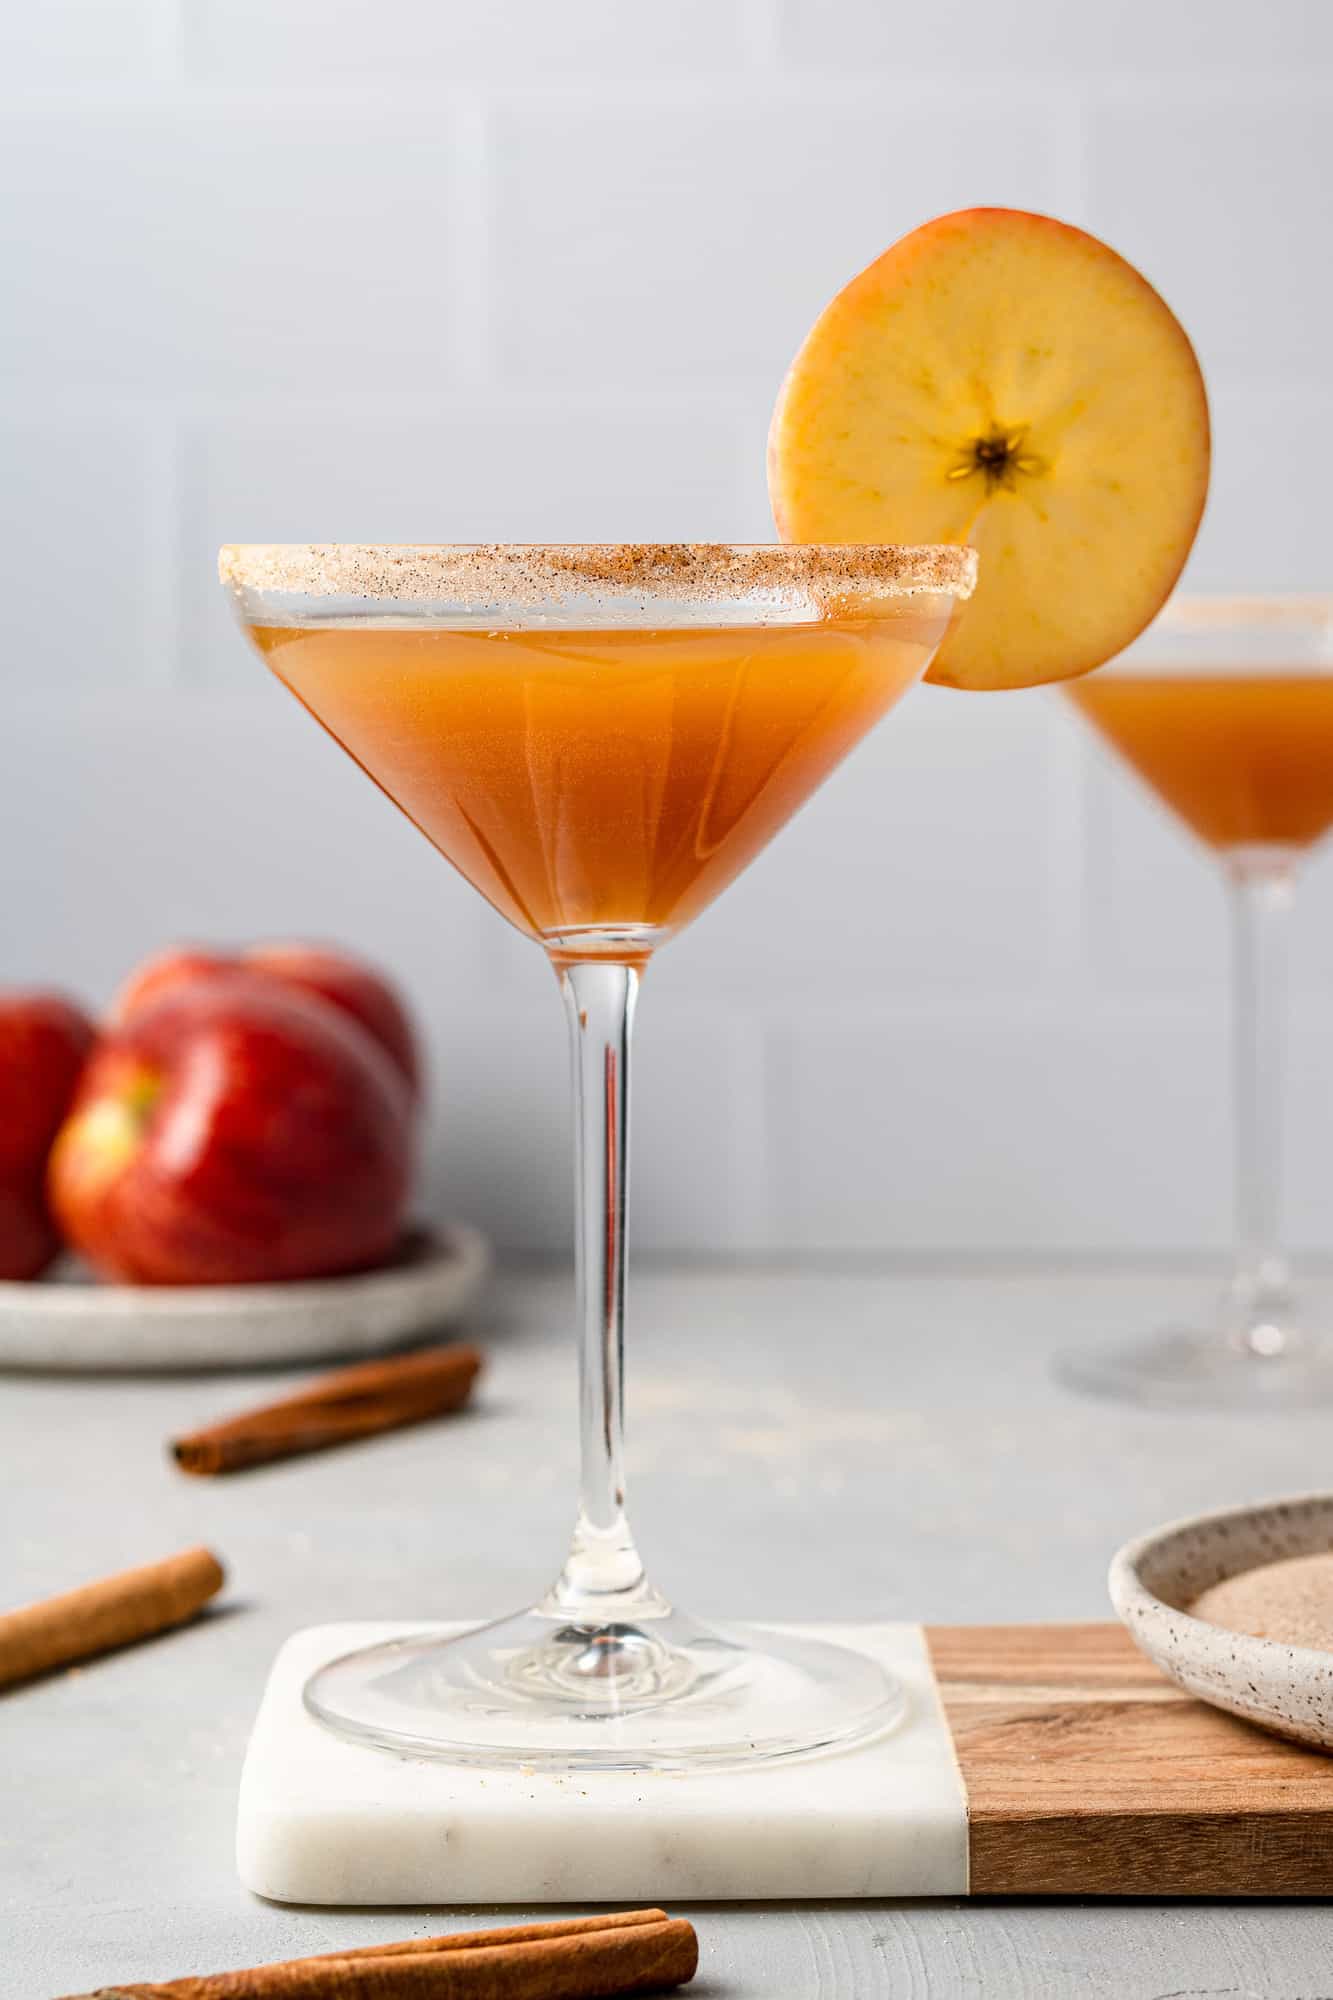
1004, 379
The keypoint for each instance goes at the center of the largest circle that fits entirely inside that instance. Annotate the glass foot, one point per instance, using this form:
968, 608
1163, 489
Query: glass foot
1188, 1369
538, 1692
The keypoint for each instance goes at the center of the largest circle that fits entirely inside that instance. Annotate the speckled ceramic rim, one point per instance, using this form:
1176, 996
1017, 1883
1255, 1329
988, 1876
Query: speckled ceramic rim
1133, 1597
522, 574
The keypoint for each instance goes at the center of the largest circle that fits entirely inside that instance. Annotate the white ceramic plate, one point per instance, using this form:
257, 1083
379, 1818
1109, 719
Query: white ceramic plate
1288, 1689
74, 1325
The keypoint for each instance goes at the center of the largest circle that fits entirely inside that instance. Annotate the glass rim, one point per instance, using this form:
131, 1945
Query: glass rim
1228, 634
531, 573
1205, 611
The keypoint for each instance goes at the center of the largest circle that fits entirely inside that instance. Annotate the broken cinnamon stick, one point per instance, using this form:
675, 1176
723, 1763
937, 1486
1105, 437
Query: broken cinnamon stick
581, 1958
114, 1611
354, 1403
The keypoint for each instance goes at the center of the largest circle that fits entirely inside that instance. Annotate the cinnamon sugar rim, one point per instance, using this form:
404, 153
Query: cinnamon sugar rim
515, 573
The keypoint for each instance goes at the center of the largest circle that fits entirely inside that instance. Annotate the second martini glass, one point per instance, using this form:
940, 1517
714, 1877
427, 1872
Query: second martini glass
600, 738
1225, 708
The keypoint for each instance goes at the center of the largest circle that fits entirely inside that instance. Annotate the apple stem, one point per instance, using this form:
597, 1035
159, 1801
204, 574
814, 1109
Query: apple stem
602, 1583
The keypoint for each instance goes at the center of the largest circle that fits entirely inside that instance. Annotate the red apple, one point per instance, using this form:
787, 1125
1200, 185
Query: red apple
347, 982
164, 973
44, 1041
367, 995
234, 1130
29, 1239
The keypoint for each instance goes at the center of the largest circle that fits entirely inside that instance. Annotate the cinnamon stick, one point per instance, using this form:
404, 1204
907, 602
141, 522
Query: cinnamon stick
354, 1403
114, 1611
504, 1934
582, 1958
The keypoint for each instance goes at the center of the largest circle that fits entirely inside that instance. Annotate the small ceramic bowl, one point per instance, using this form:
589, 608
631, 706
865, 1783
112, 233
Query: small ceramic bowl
1288, 1689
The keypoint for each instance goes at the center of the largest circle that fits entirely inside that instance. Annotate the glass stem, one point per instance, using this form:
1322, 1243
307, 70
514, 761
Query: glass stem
1261, 881
602, 1582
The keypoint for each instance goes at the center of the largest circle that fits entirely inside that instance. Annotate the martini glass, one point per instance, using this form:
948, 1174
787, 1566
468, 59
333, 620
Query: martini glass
599, 738
1225, 709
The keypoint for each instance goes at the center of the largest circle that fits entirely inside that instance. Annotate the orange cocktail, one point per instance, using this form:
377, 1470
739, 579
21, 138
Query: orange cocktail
1246, 759
601, 780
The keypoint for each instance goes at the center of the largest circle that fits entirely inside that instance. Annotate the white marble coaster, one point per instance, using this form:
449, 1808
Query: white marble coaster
323, 1821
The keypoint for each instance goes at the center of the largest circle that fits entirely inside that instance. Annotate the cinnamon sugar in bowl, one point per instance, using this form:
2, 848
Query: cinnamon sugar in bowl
1290, 1600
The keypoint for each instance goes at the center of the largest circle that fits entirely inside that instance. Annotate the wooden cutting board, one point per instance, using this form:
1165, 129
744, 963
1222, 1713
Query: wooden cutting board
1083, 1773
1090, 1774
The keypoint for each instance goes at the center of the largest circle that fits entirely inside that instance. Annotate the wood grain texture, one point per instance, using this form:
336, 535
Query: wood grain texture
1090, 1774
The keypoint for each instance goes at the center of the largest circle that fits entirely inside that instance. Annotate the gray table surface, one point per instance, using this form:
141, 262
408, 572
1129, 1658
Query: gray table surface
804, 1443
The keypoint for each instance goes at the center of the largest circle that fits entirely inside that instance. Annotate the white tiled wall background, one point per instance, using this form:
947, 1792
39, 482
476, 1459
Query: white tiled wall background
435, 269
